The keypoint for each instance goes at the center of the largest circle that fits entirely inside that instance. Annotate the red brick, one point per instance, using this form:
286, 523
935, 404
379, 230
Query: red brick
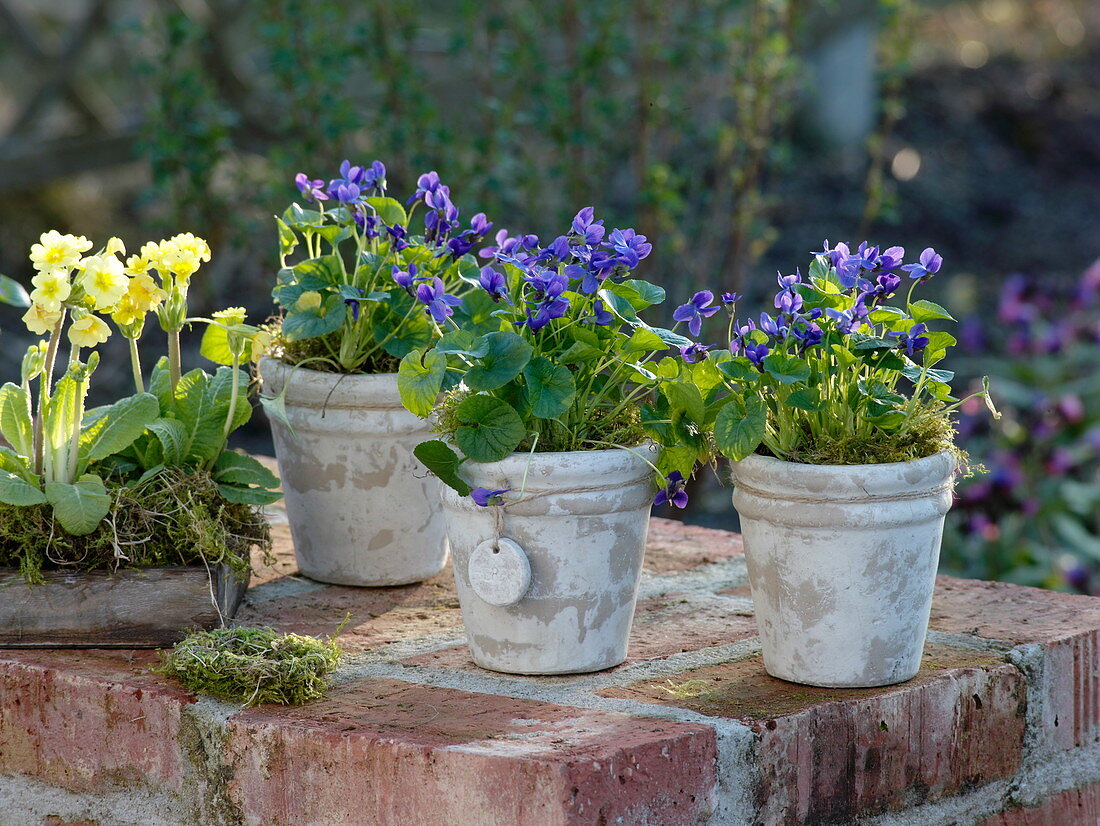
388, 753
674, 546
1076, 807
828, 755
1014, 613
77, 719
1067, 626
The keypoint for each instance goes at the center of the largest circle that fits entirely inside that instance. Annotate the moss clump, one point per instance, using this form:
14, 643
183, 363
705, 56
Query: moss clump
253, 665
176, 517
595, 431
930, 432
320, 353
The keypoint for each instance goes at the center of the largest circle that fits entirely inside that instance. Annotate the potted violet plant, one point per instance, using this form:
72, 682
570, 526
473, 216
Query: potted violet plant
362, 292
839, 422
554, 426
123, 524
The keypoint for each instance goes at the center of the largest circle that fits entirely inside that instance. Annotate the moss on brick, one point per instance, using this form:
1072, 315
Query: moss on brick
743, 691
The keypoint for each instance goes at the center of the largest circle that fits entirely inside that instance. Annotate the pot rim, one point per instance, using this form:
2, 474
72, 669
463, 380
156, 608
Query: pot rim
831, 483
523, 454
562, 473
317, 388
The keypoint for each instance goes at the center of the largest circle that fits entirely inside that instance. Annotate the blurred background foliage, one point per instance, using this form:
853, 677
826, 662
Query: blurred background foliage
736, 135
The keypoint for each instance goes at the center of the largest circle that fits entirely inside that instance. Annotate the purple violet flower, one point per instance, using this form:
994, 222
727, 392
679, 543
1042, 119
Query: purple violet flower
406, 278
673, 492
483, 497
929, 265
591, 231
729, 302
601, 315
437, 303
912, 342
694, 352
494, 283
374, 177
630, 246
696, 310
756, 353
313, 190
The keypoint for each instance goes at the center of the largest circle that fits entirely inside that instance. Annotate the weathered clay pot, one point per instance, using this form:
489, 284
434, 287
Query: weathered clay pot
842, 563
548, 584
362, 509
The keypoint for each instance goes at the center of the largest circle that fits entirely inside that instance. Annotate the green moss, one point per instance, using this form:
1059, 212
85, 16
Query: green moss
320, 353
253, 665
931, 431
177, 517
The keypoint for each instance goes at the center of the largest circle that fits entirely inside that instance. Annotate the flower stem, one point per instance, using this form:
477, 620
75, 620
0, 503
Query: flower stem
44, 389
135, 365
74, 439
232, 414
174, 358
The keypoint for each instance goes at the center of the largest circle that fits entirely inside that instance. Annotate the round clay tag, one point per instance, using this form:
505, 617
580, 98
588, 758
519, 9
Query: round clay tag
499, 571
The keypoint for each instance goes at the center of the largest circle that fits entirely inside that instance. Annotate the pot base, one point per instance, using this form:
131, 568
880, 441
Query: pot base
831, 684
498, 669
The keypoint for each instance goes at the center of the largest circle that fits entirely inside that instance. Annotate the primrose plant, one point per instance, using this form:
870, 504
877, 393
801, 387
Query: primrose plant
62, 454
354, 296
843, 372
562, 362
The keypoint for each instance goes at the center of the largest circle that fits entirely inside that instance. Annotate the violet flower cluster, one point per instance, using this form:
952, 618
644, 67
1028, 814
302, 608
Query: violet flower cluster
1031, 517
579, 262
866, 278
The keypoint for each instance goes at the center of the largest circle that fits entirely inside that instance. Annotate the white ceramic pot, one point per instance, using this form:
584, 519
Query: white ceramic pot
362, 509
548, 585
842, 564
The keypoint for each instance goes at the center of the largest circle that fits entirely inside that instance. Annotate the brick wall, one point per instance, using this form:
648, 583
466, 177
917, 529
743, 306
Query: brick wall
1000, 727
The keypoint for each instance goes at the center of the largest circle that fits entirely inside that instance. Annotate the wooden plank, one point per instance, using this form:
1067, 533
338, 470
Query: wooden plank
150, 608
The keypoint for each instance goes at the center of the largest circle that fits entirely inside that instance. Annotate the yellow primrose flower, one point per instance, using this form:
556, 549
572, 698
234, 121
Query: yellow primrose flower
183, 253
230, 316
144, 292
153, 254
41, 320
191, 245
137, 264
260, 341
141, 296
50, 289
55, 250
89, 331
104, 280
115, 246
310, 300
127, 313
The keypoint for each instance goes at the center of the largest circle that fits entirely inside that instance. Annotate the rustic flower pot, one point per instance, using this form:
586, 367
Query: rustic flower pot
128, 608
842, 564
362, 509
548, 584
